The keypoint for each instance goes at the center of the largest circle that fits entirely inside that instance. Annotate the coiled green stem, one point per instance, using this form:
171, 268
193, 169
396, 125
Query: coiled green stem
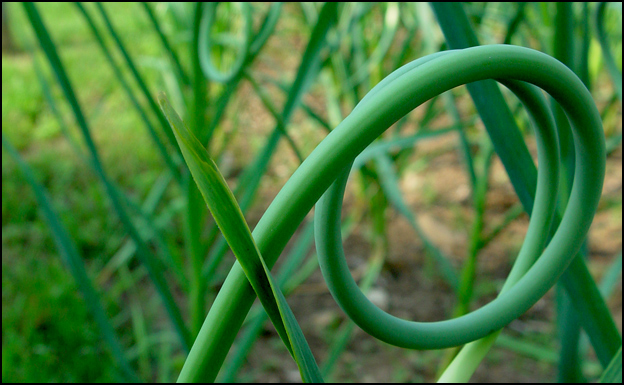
495, 62
207, 41
416, 335
247, 48
394, 97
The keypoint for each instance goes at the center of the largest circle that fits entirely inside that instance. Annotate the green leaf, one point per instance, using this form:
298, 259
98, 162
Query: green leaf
160, 146
613, 372
230, 219
135, 73
614, 71
71, 258
144, 253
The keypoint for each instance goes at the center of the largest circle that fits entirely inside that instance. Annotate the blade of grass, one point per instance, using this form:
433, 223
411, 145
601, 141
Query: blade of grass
276, 115
570, 361
137, 76
613, 274
165, 363
607, 285
154, 196
614, 143
613, 372
521, 346
245, 342
467, 279
306, 108
469, 269
227, 214
492, 108
139, 327
173, 166
71, 258
223, 319
515, 22
200, 84
406, 49
592, 310
47, 93
450, 104
204, 130
153, 226
564, 49
614, 71
165, 42
194, 214
251, 176
145, 255
511, 215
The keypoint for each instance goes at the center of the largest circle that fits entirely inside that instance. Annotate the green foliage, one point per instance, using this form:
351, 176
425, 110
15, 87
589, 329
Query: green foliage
115, 270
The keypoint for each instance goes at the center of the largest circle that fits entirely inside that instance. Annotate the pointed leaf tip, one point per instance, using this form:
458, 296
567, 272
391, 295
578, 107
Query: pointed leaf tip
162, 98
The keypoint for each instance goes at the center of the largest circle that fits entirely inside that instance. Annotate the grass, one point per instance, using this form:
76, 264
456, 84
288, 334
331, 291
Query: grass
163, 213
84, 212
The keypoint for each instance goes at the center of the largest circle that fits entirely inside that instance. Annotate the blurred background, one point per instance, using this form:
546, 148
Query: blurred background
462, 204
